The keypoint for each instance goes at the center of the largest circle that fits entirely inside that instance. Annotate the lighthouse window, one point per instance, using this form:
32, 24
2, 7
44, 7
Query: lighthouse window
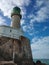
10, 30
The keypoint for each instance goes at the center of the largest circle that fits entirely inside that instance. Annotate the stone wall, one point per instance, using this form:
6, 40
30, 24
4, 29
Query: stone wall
16, 50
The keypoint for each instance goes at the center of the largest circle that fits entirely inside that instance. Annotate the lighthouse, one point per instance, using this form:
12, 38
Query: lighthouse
14, 46
16, 17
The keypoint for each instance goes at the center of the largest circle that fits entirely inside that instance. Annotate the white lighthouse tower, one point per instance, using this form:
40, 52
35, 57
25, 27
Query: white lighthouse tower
16, 16
14, 46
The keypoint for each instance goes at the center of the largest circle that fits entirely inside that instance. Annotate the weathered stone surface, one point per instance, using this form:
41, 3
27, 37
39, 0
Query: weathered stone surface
13, 50
26, 49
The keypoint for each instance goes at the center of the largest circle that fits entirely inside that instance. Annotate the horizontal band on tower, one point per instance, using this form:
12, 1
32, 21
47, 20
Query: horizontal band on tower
16, 14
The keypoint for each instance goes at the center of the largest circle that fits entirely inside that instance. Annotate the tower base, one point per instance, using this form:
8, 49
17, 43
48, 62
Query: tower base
15, 51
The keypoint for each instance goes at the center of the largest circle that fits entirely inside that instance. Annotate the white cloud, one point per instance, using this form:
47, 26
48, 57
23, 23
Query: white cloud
22, 21
7, 5
45, 28
31, 16
28, 28
25, 28
2, 21
40, 47
39, 3
43, 13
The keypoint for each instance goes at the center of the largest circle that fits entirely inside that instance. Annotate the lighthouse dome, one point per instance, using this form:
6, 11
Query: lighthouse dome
16, 11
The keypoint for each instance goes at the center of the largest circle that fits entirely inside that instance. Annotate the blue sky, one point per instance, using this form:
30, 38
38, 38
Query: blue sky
34, 22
